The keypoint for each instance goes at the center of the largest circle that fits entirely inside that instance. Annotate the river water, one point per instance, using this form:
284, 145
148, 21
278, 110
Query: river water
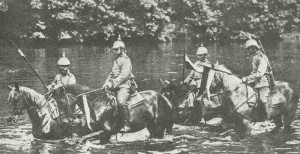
151, 62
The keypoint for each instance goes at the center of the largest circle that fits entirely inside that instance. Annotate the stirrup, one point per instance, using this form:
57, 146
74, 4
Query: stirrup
273, 89
125, 129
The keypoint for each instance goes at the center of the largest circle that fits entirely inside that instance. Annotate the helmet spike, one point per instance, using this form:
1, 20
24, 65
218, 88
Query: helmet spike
119, 37
201, 44
249, 36
63, 54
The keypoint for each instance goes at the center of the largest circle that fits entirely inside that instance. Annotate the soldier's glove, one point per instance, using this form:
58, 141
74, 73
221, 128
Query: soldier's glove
50, 87
107, 85
185, 82
244, 80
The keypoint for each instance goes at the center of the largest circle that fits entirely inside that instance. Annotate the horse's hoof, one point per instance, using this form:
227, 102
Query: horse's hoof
169, 132
275, 130
288, 130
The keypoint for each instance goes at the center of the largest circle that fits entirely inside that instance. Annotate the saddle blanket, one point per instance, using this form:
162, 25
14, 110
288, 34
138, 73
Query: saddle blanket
135, 99
276, 98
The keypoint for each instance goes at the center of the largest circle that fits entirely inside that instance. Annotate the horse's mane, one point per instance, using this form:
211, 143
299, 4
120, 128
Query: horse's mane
77, 89
222, 68
230, 81
36, 97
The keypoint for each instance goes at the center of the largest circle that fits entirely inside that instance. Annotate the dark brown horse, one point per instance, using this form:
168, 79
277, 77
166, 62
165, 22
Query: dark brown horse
47, 121
148, 109
178, 93
239, 99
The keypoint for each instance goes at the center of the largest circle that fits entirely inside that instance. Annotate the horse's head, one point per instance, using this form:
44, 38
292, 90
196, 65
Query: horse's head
17, 100
172, 89
222, 78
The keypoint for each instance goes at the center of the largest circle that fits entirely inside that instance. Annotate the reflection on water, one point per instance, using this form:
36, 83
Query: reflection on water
90, 65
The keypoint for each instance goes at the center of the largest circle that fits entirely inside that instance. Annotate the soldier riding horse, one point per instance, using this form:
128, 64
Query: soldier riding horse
241, 101
147, 109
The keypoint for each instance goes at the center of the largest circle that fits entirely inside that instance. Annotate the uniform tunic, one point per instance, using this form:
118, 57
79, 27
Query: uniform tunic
258, 75
194, 81
120, 77
61, 80
259, 70
194, 78
120, 74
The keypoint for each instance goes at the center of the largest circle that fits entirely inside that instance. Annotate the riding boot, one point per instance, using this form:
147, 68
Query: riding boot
125, 114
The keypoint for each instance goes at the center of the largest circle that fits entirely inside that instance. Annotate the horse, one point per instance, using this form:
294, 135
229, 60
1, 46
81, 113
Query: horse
178, 93
147, 109
240, 99
49, 119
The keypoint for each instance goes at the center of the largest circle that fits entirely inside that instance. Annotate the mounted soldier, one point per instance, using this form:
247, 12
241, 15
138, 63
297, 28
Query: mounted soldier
261, 76
120, 80
195, 77
64, 76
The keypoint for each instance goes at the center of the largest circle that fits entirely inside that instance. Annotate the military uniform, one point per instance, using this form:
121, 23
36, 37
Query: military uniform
120, 77
194, 81
61, 80
194, 78
259, 76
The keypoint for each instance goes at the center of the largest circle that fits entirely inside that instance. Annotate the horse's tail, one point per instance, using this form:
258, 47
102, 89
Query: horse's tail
292, 101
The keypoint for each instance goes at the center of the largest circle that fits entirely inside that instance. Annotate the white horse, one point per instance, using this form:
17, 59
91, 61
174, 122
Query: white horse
239, 99
47, 121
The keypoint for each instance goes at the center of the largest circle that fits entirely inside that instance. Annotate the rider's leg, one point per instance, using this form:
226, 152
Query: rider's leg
122, 98
264, 93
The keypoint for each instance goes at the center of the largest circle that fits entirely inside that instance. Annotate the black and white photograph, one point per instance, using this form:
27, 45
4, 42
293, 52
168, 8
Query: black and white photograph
149, 76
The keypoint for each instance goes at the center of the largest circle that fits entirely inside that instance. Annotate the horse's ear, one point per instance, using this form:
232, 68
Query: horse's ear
10, 87
162, 82
217, 63
17, 87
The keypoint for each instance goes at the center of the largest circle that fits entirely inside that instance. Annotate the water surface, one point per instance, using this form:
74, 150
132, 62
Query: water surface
151, 62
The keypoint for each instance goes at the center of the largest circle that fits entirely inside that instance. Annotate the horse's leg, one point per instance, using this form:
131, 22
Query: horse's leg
104, 137
89, 136
242, 127
287, 120
151, 130
289, 115
169, 127
278, 123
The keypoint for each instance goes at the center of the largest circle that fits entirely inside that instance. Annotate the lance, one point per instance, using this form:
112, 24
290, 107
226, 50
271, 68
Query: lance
23, 56
184, 54
272, 80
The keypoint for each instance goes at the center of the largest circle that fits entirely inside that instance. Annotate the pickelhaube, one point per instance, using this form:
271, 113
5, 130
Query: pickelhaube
201, 50
251, 42
119, 43
63, 60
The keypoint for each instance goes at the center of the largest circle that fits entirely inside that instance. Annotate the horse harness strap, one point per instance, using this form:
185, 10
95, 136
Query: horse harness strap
38, 110
134, 105
244, 102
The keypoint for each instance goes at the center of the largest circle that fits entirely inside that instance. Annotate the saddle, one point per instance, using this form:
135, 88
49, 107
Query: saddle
135, 99
276, 98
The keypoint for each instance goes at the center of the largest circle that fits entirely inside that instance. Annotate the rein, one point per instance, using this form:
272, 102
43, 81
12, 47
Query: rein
173, 93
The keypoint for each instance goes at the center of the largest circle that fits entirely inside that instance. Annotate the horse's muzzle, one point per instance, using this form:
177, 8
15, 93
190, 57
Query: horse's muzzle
12, 119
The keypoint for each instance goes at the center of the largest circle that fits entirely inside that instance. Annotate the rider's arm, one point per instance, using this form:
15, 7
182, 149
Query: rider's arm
72, 79
125, 72
189, 77
262, 65
107, 79
55, 82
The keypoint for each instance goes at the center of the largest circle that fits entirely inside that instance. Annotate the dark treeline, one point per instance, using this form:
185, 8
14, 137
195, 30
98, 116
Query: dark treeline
80, 21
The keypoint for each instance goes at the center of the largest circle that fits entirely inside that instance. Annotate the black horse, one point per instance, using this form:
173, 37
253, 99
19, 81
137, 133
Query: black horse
147, 109
178, 93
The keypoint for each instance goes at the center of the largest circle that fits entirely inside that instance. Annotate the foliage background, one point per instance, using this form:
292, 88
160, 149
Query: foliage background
91, 21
